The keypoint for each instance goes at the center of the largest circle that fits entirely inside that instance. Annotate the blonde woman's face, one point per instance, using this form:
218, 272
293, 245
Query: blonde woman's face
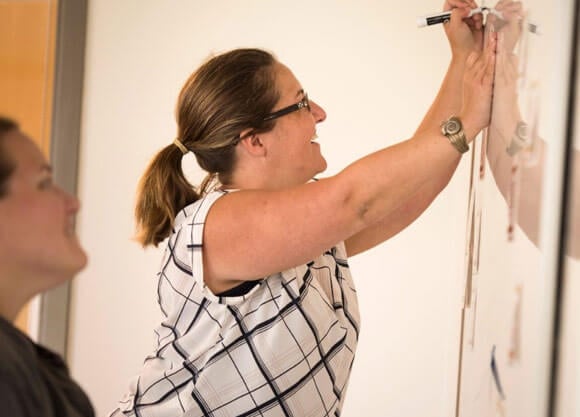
37, 237
295, 152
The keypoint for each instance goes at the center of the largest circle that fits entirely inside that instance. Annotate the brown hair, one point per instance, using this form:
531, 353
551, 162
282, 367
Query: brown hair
6, 163
229, 93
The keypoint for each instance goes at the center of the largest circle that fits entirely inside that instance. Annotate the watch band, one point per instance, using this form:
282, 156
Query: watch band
459, 141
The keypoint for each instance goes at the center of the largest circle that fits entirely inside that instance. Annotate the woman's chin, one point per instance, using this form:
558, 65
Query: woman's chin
323, 166
78, 260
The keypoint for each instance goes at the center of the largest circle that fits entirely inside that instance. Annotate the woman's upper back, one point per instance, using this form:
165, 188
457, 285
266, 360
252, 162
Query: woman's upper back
295, 329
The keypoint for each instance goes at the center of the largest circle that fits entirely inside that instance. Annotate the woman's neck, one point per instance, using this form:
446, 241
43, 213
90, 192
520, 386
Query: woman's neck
12, 295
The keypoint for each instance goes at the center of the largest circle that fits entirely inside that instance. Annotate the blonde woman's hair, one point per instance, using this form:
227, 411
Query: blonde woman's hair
229, 93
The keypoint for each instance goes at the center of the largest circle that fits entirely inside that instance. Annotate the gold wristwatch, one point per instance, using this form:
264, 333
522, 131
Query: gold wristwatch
453, 130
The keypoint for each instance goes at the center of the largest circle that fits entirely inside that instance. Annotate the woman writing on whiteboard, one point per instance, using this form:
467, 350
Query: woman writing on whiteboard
260, 311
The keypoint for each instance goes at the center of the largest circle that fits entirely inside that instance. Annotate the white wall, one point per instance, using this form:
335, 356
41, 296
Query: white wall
375, 73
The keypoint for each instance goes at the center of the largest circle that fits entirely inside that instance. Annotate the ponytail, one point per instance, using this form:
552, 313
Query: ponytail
229, 93
163, 191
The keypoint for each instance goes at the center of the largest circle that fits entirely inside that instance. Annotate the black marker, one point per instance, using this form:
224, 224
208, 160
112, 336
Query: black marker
434, 19
437, 18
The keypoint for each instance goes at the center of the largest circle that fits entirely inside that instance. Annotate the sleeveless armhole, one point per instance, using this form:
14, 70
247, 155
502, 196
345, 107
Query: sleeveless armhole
197, 214
197, 218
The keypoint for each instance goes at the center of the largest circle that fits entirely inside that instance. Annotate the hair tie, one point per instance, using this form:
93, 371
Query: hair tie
181, 146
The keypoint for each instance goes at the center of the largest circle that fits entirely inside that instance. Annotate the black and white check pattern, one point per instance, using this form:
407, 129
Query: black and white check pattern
284, 349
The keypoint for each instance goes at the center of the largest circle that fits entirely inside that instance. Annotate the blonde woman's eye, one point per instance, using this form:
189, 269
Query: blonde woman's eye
306, 102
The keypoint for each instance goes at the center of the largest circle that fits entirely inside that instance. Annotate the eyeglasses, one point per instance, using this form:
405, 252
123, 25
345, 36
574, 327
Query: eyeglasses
304, 103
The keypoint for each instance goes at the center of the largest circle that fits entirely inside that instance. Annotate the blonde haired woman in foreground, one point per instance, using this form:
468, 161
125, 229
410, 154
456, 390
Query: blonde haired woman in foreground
260, 311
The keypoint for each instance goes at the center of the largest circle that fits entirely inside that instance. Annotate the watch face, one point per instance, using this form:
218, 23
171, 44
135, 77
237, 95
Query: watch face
452, 126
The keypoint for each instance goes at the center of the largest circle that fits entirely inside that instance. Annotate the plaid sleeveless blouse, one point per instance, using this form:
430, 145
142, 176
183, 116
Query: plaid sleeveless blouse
285, 348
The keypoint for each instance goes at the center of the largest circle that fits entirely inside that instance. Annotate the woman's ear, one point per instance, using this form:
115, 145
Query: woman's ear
252, 143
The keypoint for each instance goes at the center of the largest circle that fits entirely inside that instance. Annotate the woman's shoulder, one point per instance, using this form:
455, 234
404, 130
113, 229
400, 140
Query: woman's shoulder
19, 368
21, 355
196, 212
15, 346
35, 380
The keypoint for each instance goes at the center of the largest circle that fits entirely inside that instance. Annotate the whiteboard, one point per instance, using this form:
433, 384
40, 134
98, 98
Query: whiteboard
513, 226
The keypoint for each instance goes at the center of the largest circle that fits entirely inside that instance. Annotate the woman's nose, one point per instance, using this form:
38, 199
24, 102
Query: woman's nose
318, 112
72, 202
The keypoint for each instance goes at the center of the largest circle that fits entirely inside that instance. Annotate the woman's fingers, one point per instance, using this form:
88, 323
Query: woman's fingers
472, 59
489, 69
480, 66
451, 4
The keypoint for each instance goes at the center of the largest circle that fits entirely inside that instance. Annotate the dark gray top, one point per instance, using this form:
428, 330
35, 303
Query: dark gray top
34, 381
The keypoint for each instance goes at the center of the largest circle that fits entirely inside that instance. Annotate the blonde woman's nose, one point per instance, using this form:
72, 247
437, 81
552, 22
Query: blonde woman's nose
317, 111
